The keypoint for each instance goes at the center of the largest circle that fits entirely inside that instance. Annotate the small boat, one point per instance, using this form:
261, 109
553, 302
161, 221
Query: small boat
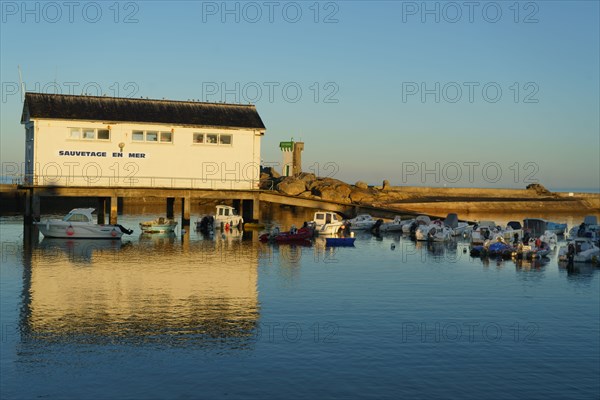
434, 232
580, 250
339, 241
227, 216
361, 222
77, 224
326, 223
395, 225
159, 225
512, 232
458, 228
534, 249
420, 220
292, 236
483, 231
589, 228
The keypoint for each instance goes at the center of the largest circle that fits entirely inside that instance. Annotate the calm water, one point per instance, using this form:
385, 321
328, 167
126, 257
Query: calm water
188, 317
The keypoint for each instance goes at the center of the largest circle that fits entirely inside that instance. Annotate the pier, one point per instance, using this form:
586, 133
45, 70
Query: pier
247, 202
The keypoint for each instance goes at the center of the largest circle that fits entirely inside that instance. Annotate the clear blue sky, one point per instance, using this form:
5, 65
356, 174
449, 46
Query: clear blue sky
369, 61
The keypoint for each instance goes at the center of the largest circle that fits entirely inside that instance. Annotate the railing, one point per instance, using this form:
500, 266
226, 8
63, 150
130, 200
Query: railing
139, 181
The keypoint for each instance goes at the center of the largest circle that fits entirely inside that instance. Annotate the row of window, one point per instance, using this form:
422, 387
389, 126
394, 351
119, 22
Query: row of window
150, 136
213, 138
89, 134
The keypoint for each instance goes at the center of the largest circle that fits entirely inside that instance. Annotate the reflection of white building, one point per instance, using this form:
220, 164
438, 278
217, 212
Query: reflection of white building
108, 141
86, 288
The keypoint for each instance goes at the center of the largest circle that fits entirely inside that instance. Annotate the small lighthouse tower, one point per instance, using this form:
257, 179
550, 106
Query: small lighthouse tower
292, 157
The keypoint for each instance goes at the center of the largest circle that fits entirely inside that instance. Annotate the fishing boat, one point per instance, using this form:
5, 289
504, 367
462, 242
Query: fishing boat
580, 250
159, 225
78, 224
326, 223
227, 215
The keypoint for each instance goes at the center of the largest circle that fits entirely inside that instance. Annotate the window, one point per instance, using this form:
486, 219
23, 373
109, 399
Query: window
103, 134
225, 139
166, 137
198, 137
151, 136
211, 138
89, 134
77, 218
138, 136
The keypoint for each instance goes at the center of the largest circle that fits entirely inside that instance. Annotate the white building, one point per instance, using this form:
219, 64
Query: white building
108, 141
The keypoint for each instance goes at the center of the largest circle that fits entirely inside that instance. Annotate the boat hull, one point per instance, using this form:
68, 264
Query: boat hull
340, 242
62, 230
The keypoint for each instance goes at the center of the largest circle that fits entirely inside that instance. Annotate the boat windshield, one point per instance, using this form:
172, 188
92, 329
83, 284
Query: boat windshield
76, 218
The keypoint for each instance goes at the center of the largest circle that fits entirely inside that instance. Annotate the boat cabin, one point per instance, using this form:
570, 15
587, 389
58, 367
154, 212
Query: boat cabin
79, 215
226, 211
325, 217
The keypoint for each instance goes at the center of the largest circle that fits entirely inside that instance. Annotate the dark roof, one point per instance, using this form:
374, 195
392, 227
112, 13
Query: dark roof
117, 109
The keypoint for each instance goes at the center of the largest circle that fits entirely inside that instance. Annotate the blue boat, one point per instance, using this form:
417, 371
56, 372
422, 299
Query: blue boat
339, 242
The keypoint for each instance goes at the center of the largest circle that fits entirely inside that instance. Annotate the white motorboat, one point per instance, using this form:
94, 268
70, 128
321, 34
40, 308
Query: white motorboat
434, 232
483, 231
395, 225
512, 228
78, 224
458, 228
580, 250
227, 215
361, 222
159, 225
326, 223
420, 220
589, 228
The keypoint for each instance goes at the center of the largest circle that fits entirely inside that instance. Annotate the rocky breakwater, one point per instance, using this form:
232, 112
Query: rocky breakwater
429, 200
308, 185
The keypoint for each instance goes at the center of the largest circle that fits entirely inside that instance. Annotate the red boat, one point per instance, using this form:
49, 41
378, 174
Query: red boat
300, 235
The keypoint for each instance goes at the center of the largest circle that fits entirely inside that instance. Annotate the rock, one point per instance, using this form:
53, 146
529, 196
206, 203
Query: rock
306, 194
386, 185
361, 196
291, 186
332, 192
539, 189
361, 185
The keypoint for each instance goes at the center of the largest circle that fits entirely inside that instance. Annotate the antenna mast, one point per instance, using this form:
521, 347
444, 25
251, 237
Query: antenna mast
21, 85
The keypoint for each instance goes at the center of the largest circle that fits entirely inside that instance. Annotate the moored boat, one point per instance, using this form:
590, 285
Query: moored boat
581, 250
361, 222
78, 224
434, 232
339, 241
395, 225
326, 223
159, 225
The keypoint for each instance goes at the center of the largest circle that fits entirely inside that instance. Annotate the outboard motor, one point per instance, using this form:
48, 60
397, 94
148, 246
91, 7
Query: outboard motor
124, 230
375, 228
413, 228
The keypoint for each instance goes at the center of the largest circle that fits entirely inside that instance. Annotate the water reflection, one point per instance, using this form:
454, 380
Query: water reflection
161, 290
